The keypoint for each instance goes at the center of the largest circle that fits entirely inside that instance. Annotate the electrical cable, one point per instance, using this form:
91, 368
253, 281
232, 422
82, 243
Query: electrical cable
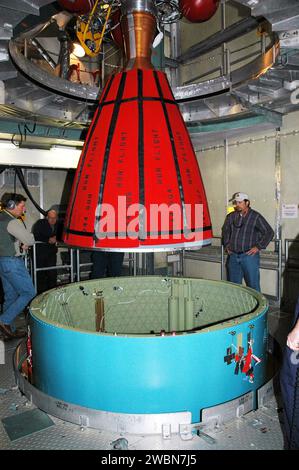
15, 183
23, 134
27, 129
25, 187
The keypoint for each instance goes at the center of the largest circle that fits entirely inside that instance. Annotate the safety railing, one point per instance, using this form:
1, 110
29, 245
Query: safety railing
76, 266
277, 269
35, 269
222, 63
287, 243
137, 263
263, 265
131, 261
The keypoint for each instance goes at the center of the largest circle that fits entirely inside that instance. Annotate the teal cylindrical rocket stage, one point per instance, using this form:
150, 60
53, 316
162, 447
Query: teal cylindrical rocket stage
132, 367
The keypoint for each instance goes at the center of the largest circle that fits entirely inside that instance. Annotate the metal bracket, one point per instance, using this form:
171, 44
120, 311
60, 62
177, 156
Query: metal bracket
185, 431
166, 431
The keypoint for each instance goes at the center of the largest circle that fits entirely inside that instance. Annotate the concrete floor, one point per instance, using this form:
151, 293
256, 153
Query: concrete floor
259, 430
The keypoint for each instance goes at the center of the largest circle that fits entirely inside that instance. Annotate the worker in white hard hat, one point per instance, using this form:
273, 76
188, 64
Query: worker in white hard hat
245, 232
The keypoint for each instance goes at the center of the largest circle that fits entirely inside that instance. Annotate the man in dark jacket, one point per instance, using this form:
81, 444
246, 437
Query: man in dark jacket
46, 232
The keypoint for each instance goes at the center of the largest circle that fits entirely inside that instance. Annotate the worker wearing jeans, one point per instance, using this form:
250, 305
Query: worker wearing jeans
245, 232
106, 263
17, 284
243, 265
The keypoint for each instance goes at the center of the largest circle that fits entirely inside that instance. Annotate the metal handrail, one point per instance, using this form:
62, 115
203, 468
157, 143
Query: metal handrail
35, 269
277, 269
287, 242
79, 265
75, 265
133, 263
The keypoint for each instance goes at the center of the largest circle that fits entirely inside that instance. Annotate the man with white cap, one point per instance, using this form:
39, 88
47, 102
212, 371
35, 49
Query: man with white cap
245, 232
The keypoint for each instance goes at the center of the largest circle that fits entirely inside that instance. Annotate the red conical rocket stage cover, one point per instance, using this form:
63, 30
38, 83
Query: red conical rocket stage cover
138, 186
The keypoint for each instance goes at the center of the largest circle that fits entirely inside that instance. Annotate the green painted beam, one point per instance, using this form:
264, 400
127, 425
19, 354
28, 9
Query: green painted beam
42, 130
158, 58
78, 134
226, 125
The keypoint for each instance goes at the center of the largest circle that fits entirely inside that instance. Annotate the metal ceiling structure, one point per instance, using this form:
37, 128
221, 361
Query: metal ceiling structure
256, 94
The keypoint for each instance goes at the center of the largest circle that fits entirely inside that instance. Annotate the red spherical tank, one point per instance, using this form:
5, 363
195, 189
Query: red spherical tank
198, 11
77, 6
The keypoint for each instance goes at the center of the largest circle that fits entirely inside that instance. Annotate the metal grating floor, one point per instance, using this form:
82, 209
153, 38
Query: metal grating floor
260, 430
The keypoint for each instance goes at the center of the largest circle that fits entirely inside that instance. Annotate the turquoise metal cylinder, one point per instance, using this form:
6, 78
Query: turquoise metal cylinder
124, 372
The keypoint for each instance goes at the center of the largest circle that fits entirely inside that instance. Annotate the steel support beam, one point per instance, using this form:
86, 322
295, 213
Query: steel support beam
270, 115
216, 40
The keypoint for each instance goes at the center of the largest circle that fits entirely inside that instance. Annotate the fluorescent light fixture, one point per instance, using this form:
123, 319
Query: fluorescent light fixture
5, 144
63, 158
78, 50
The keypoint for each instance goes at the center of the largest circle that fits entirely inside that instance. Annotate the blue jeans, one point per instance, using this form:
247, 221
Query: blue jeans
106, 264
245, 266
17, 287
